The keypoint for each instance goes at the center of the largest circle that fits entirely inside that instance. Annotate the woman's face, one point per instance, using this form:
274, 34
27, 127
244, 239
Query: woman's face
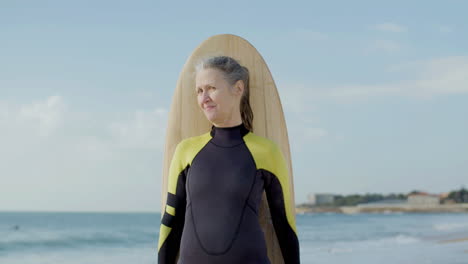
218, 100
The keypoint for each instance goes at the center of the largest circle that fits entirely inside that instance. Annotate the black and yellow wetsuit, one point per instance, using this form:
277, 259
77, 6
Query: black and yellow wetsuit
216, 181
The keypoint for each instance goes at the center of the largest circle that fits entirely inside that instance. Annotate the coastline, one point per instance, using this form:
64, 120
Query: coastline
462, 239
397, 208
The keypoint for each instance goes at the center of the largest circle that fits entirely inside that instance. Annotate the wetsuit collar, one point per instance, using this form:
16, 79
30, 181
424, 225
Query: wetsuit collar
226, 135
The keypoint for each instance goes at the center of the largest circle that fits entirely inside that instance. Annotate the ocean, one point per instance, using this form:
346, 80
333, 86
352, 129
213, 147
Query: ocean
328, 238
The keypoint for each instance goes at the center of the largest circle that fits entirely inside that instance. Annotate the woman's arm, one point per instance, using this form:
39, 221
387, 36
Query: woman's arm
172, 222
277, 188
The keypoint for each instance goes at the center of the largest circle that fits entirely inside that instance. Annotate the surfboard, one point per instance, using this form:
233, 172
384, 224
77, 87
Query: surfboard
186, 119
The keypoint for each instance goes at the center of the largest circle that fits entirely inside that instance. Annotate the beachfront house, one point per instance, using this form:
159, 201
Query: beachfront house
320, 198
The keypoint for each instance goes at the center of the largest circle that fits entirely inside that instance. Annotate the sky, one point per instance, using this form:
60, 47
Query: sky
375, 94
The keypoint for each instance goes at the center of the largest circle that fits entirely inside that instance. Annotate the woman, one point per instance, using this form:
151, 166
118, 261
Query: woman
216, 180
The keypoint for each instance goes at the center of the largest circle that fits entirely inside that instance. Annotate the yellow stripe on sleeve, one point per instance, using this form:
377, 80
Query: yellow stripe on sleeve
184, 153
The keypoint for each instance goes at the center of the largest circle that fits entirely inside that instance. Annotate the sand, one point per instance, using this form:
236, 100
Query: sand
462, 239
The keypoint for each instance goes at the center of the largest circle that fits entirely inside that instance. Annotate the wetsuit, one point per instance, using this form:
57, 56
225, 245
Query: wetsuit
215, 186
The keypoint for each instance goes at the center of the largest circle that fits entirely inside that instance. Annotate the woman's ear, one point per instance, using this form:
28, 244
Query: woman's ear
239, 87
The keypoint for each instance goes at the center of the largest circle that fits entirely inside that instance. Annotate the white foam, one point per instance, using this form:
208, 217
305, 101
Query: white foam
404, 239
392, 241
450, 226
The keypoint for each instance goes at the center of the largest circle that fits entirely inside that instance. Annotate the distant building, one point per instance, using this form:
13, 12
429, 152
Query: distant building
443, 196
321, 198
422, 198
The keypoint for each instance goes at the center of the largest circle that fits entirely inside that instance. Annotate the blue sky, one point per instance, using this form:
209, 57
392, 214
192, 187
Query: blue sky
375, 94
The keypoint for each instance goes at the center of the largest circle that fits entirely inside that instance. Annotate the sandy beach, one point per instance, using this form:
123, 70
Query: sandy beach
456, 240
463, 239
403, 208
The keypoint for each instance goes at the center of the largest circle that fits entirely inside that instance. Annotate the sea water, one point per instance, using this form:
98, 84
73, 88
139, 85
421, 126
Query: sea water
92, 238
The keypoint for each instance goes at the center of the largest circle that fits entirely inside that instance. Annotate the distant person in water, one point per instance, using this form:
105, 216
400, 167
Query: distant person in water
216, 180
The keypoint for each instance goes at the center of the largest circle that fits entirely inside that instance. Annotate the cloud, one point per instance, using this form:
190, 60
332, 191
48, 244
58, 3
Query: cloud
385, 45
315, 133
62, 152
304, 132
303, 124
445, 29
40, 118
87, 132
145, 129
294, 100
447, 75
4, 112
390, 27
94, 148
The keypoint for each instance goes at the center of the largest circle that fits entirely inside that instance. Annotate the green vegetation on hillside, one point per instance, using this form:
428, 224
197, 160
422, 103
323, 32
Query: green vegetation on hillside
460, 196
354, 199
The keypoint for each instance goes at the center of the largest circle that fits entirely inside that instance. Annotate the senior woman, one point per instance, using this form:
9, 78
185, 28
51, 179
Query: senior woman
213, 215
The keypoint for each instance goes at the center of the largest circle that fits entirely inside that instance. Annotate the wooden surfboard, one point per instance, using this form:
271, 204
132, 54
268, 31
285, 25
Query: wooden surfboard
186, 119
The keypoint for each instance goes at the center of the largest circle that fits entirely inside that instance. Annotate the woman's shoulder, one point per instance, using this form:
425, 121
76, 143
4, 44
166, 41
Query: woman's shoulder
193, 143
260, 142
265, 152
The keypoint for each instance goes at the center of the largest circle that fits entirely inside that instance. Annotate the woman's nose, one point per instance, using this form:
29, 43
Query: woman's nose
205, 97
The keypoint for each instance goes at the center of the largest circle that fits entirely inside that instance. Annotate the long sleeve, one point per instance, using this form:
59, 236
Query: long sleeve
277, 188
172, 222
